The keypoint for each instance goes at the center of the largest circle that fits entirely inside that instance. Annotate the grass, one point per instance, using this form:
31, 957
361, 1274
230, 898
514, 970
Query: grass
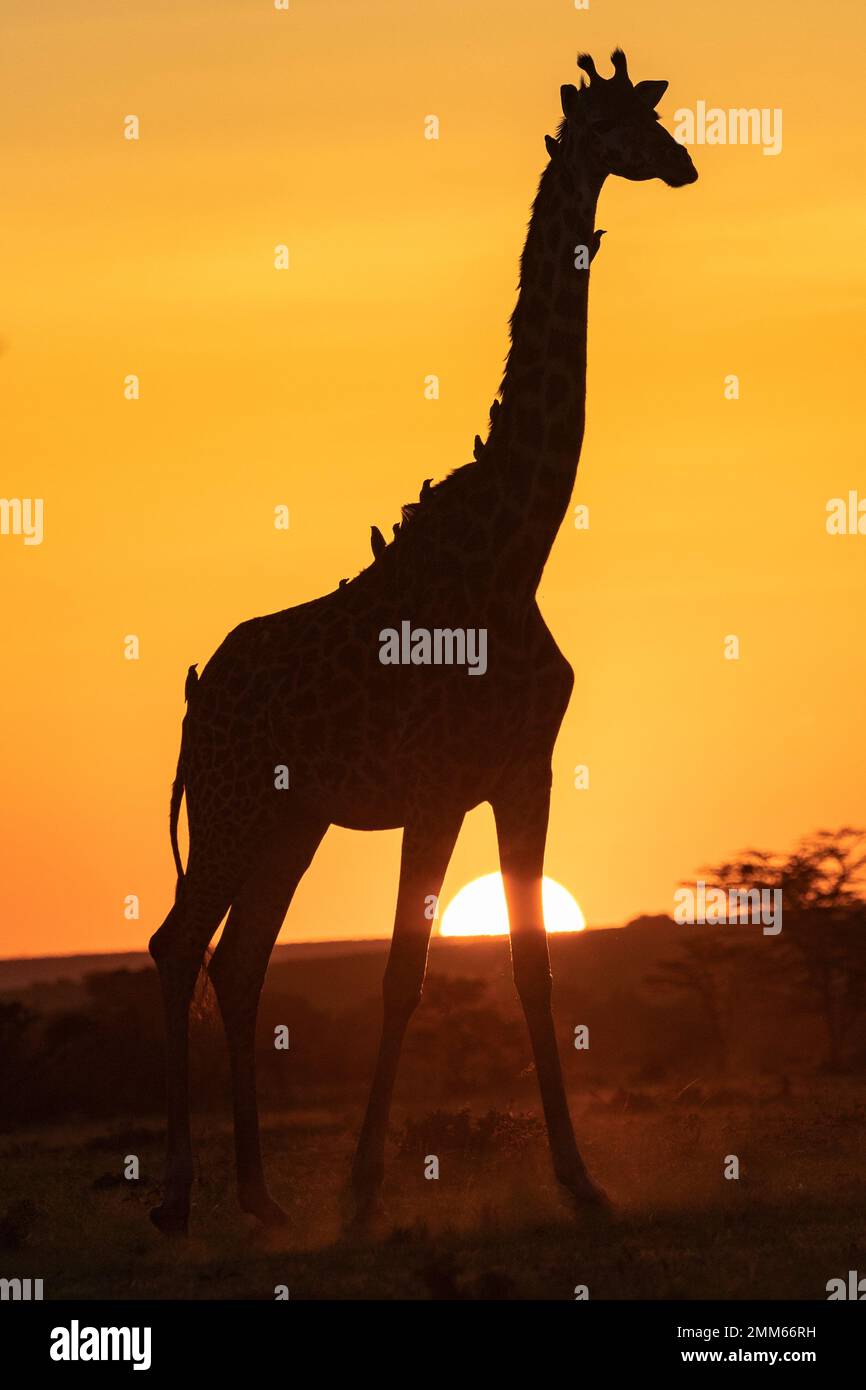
492, 1226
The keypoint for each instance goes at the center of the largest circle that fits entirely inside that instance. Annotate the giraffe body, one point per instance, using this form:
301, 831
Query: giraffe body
296, 723
364, 750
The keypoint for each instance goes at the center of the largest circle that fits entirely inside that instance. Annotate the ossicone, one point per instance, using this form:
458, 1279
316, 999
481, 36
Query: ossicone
620, 63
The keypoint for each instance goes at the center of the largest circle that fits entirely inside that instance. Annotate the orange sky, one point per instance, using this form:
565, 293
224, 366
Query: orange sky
306, 388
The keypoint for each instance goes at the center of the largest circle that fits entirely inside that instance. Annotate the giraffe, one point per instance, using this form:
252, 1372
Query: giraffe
302, 696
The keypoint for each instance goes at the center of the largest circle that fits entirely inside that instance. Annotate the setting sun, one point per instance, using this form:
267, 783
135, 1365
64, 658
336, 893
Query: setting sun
479, 909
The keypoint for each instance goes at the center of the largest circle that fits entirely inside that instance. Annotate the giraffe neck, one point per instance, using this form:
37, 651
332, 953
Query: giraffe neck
538, 430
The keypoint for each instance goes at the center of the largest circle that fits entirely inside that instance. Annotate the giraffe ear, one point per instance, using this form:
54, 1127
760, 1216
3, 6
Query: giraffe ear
569, 98
651, 92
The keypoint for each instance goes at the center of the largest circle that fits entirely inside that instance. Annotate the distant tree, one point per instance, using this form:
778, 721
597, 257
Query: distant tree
711, 971
15, 1021
461, 1044
16, 1024
823, 883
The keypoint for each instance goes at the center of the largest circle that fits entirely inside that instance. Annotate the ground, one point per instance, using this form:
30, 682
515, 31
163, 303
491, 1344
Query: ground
491, 1226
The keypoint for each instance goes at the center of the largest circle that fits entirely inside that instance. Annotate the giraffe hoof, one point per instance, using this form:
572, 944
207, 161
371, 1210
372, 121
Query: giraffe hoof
367, 1218
171, 1221
586, 1195
263, 1206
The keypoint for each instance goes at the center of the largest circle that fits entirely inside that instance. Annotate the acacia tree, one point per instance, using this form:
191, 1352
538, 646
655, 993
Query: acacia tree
710, 971
823, 883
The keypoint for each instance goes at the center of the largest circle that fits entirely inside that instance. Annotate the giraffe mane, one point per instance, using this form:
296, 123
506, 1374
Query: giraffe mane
410, 512
547, 176
458, 478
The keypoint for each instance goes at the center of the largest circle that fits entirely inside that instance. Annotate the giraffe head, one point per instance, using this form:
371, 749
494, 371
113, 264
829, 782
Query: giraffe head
619, 128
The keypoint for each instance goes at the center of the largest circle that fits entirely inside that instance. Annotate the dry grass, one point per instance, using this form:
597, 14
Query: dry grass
492, 1226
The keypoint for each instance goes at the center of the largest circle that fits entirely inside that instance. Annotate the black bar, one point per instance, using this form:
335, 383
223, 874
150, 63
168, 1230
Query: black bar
259, 1338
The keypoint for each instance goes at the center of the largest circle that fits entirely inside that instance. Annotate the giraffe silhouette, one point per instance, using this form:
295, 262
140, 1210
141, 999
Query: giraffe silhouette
303, 697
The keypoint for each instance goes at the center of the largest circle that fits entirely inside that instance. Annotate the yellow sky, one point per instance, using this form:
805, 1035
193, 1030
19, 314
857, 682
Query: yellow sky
306, 388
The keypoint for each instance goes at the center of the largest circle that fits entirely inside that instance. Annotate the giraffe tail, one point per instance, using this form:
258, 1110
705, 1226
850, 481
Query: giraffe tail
177, 785
202, 1001
174, 816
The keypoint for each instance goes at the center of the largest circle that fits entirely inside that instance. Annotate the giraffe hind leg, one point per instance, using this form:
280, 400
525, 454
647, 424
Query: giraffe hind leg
178, 949
237, 971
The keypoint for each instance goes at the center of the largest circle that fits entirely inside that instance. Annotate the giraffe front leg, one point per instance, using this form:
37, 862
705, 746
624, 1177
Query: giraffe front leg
427, 846
521, 814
